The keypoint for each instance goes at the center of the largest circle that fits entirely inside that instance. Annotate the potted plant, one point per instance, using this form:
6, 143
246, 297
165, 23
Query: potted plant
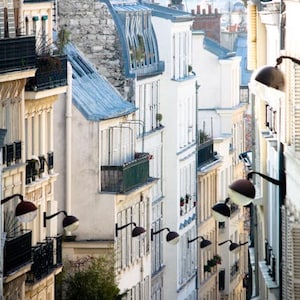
187, 198
218, 259
207, 268
211, 262
181, 201
158, 118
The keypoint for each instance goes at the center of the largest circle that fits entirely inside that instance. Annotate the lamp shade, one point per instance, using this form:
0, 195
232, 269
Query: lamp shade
137, 231
70, 223
173, 237
221, 212
205, 243
241, 192
26, 211
234, 247
271, 77
267, 83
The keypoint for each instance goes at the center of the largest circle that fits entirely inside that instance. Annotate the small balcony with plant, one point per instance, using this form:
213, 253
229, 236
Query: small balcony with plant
127, 176
206, 154
211, 264
51, 64
51, 73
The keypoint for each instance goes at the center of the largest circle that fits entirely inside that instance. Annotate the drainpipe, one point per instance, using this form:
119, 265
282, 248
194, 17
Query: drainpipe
68, 141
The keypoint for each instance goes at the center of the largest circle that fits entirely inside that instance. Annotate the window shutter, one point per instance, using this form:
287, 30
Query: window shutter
295, 106
296, 260
290, 256
252, 37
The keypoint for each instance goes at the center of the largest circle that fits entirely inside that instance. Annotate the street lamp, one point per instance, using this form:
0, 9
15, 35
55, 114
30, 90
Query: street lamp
172, 237
137, 230
233, 247
70, 223
221, 211
25, 211
203, 244
269, 80
242, 191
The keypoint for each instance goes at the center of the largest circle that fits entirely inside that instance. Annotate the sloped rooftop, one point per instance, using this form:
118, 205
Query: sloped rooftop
240, 47
92, 94
218, 50
169, 13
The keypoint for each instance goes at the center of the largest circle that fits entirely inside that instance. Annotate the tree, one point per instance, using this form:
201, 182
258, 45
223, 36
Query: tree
89, 278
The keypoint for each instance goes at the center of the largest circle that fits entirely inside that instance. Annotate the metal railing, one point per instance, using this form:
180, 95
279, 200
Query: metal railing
17, 54
127, 176
206, 152
51, 73
17, 252
46, 256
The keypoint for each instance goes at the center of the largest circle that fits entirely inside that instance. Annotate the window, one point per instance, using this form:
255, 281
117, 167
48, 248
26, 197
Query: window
130, 249
181, 54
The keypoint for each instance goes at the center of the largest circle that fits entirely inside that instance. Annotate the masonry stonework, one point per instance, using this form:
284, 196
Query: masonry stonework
93, 32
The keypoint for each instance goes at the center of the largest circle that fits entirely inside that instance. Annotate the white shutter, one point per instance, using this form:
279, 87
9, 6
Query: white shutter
290, 256
296, 260
294, 94
1, 19
252, 37
11, 19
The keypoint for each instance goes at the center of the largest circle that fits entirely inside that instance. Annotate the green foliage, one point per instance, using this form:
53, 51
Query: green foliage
63, 37
90, 278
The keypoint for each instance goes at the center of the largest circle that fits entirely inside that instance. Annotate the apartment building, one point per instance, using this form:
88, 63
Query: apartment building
221, 120
33, 75
178, 104
119, 40
272, 34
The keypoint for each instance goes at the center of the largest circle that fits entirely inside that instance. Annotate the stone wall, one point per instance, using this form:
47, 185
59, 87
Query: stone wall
94, 33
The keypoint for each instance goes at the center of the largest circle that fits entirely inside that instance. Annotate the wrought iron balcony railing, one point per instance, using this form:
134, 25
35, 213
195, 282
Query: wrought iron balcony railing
121, 179
12, 153
51, 73
34, 169
17, 252
17, 54
46, 257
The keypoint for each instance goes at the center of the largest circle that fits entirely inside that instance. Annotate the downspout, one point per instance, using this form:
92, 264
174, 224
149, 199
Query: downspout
68, 141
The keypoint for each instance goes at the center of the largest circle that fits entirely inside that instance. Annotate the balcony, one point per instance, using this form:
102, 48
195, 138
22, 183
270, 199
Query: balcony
234, 270
46, 256
17, 54
12, 153
121, 179
51, 73
206, 154
34, 168
17, 252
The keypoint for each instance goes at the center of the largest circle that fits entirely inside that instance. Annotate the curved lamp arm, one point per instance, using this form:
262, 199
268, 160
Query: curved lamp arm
293, 59
222, 243
203, 244
135, 232
70, 223
196, 238
11, 197
124, 226
52, 216
270, 179
156, 232
25, 211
